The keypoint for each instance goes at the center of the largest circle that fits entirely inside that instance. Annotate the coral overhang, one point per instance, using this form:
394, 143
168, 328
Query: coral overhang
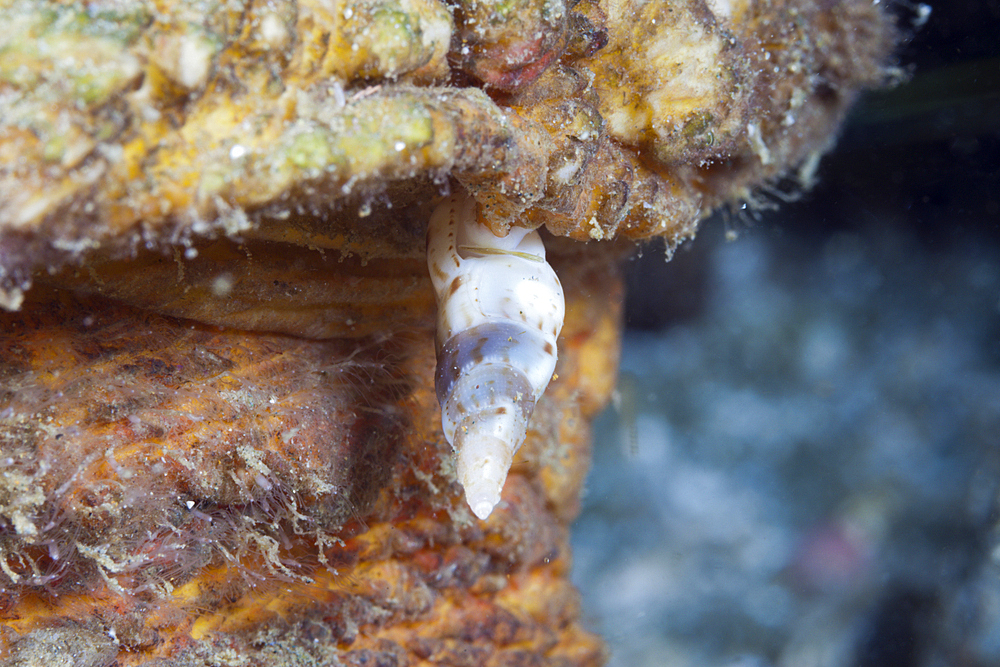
217, 420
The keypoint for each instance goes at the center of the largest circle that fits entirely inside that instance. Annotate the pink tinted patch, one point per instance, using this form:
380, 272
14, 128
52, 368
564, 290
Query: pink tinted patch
830, 556
513, 66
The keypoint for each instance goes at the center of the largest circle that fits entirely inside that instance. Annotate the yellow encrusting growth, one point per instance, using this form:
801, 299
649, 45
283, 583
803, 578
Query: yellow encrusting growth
683, 92
221, 441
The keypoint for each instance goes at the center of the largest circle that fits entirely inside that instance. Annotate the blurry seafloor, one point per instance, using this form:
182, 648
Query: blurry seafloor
803, 465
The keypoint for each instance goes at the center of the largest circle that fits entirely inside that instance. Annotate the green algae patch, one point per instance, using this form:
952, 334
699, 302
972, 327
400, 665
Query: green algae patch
67, 53
314, 150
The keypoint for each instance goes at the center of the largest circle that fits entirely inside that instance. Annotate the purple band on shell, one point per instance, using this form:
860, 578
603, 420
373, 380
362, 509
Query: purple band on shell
509, 344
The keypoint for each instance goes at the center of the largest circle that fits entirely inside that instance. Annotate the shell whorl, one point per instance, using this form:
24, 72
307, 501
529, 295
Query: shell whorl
500, 311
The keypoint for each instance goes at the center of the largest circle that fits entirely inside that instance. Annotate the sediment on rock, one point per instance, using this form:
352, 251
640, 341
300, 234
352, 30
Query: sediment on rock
161, 128
219, 432
189, 490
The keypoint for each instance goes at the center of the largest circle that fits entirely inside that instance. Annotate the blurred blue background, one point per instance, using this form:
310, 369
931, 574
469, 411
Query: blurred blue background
802, 465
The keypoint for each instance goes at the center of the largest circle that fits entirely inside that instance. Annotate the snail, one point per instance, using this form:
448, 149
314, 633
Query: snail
500, 311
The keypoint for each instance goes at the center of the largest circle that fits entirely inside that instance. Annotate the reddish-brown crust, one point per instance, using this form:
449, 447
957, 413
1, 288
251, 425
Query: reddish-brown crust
205, 491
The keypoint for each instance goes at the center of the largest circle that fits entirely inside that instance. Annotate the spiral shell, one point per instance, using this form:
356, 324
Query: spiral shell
500, 311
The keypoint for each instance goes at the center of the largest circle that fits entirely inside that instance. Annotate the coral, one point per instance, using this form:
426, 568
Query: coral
280, 498
145, 448
134, 125
220, 440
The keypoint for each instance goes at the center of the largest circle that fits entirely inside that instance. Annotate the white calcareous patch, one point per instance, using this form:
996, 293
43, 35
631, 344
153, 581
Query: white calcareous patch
500, 311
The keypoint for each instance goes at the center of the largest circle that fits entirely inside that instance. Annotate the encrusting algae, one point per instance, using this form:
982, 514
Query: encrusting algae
219, 438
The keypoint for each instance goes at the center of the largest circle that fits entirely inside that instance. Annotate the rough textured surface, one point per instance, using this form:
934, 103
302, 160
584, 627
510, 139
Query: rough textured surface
146, 124
220, 440
185, 492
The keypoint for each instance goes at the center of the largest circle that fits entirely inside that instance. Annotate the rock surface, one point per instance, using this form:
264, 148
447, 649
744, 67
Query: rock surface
220, 439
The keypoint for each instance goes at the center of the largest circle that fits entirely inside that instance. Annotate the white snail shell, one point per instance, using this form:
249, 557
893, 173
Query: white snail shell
500, 311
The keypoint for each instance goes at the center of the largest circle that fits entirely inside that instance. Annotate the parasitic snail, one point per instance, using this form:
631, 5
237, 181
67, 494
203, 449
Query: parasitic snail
500, 311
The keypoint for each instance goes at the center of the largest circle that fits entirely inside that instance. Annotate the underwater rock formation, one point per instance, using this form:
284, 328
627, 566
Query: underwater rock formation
178, 491
220, 440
